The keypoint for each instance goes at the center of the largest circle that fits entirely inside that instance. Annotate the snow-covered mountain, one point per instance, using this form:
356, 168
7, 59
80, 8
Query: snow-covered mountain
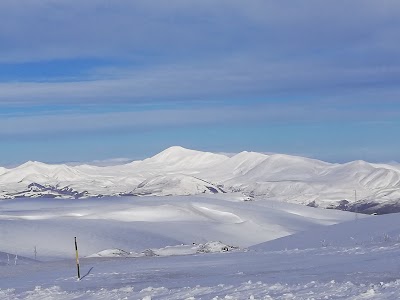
169, 185
2, 170
357, 186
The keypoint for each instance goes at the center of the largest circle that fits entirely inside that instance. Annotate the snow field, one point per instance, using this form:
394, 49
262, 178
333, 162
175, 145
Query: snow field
142, 248
136, 224
319, 273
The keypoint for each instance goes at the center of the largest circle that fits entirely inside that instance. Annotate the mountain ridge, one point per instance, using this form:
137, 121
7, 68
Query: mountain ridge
181, 171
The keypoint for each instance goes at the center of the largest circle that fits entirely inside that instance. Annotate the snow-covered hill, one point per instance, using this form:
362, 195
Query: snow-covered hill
180, 171
374, 230
196, 247
2, 170
135, 224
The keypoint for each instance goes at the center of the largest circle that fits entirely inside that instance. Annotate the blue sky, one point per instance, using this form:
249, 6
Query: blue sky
100, 80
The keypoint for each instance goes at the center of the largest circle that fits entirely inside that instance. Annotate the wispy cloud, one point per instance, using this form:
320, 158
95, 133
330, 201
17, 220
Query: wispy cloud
236, 77
135, 120
272, 113
57, 29
204, 50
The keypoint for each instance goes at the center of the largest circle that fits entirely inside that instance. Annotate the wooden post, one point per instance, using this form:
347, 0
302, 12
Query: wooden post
77, 259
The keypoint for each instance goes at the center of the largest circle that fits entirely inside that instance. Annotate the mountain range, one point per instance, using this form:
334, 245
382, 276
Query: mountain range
356, 186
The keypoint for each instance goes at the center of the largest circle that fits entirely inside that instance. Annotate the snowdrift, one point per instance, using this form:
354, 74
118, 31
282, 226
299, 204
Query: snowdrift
135, 224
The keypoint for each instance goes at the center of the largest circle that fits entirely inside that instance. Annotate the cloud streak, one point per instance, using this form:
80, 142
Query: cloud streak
231, 78
59, 29
208, 50
272, 114
48, 124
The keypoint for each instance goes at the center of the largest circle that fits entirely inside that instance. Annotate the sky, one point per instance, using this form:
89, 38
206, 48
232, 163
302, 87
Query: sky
85, 81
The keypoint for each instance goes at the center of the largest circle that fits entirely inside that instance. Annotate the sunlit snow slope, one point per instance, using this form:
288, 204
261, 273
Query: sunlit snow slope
135, 224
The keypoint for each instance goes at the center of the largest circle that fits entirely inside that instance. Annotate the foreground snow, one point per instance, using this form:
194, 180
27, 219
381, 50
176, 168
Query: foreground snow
367, 272
322, 254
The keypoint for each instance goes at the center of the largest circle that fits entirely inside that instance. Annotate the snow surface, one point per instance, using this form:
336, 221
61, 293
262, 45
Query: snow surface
139, 223
180, 171
325, 254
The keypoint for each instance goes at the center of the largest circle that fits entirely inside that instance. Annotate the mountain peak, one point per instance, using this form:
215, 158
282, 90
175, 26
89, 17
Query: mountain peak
186, 158
178, 150
31, 163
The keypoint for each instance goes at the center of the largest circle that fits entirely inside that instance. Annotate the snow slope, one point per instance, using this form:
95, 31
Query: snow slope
356, 257
375, 230
180, 171
176, 184
2, 170
178, 159
138, 223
